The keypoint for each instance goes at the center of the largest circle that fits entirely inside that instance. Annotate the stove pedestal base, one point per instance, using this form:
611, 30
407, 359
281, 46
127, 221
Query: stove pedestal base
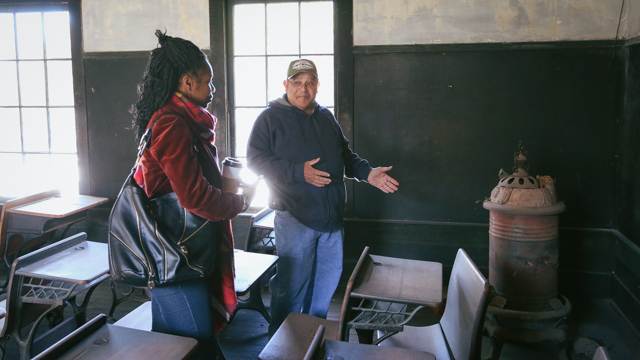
504, 325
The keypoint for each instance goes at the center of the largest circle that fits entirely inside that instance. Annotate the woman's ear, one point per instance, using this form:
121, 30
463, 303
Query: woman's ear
186, 84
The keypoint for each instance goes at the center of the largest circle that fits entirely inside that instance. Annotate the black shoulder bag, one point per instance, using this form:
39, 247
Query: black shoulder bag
154, 242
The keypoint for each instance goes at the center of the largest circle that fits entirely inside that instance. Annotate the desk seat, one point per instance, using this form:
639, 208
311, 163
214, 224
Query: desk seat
139, 318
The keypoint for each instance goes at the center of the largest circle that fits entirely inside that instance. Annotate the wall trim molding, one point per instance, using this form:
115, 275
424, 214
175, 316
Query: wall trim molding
143, 54
546, 45
467, 224
632, 41
414, 222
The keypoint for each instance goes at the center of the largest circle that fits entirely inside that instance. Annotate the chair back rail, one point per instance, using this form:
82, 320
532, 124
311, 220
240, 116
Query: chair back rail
4, 215
601, 354
315, 343
342, 330
465, 310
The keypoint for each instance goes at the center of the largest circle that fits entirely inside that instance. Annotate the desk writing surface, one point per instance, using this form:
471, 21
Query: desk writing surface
349, 350
59, 206
120, 343
79, 264
399, 280
266, 222
250, 267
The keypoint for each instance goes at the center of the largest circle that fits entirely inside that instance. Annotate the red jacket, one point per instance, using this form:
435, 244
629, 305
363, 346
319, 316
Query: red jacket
170, 164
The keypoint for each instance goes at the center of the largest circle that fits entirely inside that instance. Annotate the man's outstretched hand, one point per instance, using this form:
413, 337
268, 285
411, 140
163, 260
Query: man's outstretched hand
378, 177
315, 177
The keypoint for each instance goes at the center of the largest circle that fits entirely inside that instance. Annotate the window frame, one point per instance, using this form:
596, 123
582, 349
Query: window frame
230, 124
77, 64
221, 35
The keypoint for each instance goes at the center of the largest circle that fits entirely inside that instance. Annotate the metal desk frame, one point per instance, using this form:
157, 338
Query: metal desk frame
30, 298
385, 293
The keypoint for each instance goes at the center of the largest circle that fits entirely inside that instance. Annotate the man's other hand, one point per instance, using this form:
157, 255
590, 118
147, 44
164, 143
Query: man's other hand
315, 177
378, 177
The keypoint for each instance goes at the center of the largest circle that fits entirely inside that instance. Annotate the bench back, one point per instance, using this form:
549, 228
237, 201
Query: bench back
463, 318
343, 333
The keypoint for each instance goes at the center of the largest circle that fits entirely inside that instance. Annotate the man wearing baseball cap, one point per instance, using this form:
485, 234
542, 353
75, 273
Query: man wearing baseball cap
299, 147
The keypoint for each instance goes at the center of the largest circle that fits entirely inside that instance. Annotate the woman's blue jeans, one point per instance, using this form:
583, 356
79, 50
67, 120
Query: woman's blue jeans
308, 269
184, 309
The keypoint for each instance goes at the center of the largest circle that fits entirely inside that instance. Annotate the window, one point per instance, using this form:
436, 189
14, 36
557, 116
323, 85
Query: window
267, 36
37, 114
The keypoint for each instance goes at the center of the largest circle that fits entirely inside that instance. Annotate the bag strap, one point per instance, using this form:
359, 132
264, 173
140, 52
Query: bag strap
145, 140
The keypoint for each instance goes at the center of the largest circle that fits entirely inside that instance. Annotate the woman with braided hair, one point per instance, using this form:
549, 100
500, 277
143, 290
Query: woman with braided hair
175, 90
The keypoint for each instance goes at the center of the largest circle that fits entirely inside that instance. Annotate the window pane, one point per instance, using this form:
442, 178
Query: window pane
316, 28
282, 29
325, 77
9, 81
10, 130
248, 29
8, 38
34, 166
276, 73
64, 173
250, 86
57, 35
63, 130
60, 82
30, 44
32, 89
244, 122
35, 130
12, 185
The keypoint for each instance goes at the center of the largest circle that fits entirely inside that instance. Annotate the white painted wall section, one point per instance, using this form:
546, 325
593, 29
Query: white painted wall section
631, 21
399, 22
129, 25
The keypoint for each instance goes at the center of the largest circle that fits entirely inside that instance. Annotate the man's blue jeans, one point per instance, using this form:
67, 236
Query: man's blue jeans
185, 309
308, 270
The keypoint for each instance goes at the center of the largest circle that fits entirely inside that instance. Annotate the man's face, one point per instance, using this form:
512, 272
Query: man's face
301, 91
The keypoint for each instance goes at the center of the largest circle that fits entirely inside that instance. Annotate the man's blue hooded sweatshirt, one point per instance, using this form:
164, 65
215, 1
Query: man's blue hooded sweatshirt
282, 140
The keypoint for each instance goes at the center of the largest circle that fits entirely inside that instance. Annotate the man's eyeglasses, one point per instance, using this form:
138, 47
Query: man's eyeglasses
299, 84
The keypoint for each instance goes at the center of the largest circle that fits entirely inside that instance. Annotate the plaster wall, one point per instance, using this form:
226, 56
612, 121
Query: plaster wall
631, 21
402, 22
129, 25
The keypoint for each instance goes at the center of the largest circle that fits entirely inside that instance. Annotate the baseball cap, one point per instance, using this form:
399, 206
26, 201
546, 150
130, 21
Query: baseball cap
301, 65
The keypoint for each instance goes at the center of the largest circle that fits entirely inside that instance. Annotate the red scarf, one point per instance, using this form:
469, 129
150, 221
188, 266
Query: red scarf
223, 293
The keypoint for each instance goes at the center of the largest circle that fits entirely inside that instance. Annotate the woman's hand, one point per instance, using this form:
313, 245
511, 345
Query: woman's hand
250, 192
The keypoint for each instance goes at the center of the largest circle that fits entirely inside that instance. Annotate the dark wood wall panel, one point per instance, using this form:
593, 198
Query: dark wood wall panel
626, 280
629, 184
111, 84
449, 120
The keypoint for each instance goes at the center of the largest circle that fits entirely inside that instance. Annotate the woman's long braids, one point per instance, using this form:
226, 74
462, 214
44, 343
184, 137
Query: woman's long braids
173, 58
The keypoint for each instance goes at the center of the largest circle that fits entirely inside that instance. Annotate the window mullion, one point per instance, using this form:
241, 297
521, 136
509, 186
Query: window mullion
15, 39
299, 30
46, 82
266, 53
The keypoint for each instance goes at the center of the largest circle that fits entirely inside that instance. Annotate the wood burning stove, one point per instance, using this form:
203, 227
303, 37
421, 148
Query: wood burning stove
523, 260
